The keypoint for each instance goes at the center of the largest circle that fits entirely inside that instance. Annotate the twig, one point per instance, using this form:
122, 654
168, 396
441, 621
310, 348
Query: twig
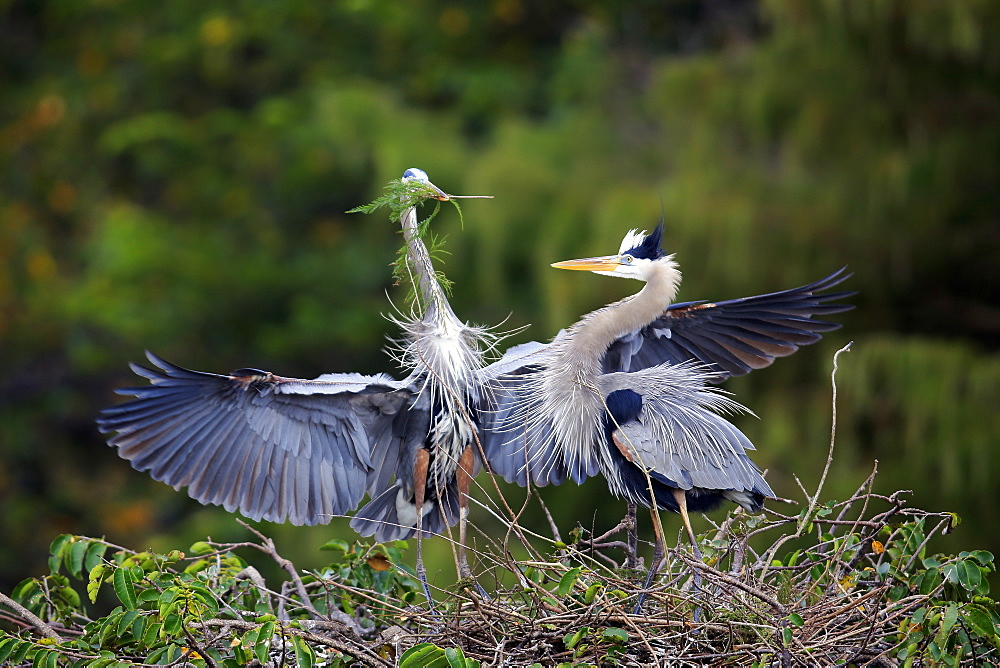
702, 566
267, 547
833, 430
30, 617
807, 516
358, 651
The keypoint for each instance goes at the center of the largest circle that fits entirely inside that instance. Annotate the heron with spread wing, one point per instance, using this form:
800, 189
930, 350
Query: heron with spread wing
625, 391
304, 451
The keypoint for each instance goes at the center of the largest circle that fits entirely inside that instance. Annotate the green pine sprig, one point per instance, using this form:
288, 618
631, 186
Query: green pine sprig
398, 196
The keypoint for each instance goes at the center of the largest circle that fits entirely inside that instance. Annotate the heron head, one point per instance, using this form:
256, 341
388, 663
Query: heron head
639, 251
415, 174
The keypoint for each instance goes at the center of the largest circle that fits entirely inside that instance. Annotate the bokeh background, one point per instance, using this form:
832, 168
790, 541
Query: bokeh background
175, 177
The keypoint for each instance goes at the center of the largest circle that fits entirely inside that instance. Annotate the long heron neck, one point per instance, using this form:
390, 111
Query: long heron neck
590, 337
445, 351
418, 259
570, 389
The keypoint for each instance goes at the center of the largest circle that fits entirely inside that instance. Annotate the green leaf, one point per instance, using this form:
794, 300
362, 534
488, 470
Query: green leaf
969, 575
7, 646
94, 581
25, 591
69, 596
898, 592
456, 658
94, 555
171, 625
167, 601
572, 639
144, 596
981, 620
260, 649
304, 655
948, 618
930, 581
166, 654
139, 628
249, 639
983, 557
796, 619
20, 651
201, 547
262, 641
40, 659
786, 636
567, 581
424, 655
151, 634
56, 550
74, 557
109, 626
336, 545
207, 599
125, 587
615, 634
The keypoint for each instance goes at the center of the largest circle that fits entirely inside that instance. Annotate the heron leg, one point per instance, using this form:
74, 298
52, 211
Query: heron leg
681, 497
463, 480
419, 491
655, 565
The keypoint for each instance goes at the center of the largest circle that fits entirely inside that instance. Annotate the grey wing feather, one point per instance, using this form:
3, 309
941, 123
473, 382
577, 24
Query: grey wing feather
517, 440
736, 335
727, 468
273, 448
681, 432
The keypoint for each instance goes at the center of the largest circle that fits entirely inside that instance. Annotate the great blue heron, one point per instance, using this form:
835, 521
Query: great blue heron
304, 451
426, 484
625, 391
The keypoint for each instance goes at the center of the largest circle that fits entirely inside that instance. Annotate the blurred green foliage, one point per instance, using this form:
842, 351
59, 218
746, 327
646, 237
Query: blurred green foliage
175, 178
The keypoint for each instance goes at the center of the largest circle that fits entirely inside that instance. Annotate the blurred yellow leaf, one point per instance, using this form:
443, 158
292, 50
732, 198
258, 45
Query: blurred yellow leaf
216, 31
379, 562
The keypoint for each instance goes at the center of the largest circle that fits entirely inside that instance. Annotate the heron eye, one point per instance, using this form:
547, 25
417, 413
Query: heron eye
627, 259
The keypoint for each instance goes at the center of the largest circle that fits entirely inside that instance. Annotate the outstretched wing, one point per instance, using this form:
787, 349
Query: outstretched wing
274, 448
736, 336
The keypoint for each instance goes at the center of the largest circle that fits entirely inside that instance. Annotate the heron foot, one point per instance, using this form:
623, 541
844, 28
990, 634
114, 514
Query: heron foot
470, 583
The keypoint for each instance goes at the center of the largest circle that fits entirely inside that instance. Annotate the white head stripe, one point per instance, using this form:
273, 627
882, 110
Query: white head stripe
632, 239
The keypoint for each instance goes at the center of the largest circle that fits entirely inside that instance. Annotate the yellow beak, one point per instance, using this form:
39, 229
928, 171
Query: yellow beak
438, 193
606, 263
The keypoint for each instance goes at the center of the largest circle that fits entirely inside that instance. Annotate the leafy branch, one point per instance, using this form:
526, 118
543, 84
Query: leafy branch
398, 196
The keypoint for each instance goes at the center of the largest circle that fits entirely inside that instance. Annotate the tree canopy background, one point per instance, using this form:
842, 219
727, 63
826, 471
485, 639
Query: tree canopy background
175, 178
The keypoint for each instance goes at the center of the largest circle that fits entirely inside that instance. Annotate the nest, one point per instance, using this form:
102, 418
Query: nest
830, 603
840, 583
